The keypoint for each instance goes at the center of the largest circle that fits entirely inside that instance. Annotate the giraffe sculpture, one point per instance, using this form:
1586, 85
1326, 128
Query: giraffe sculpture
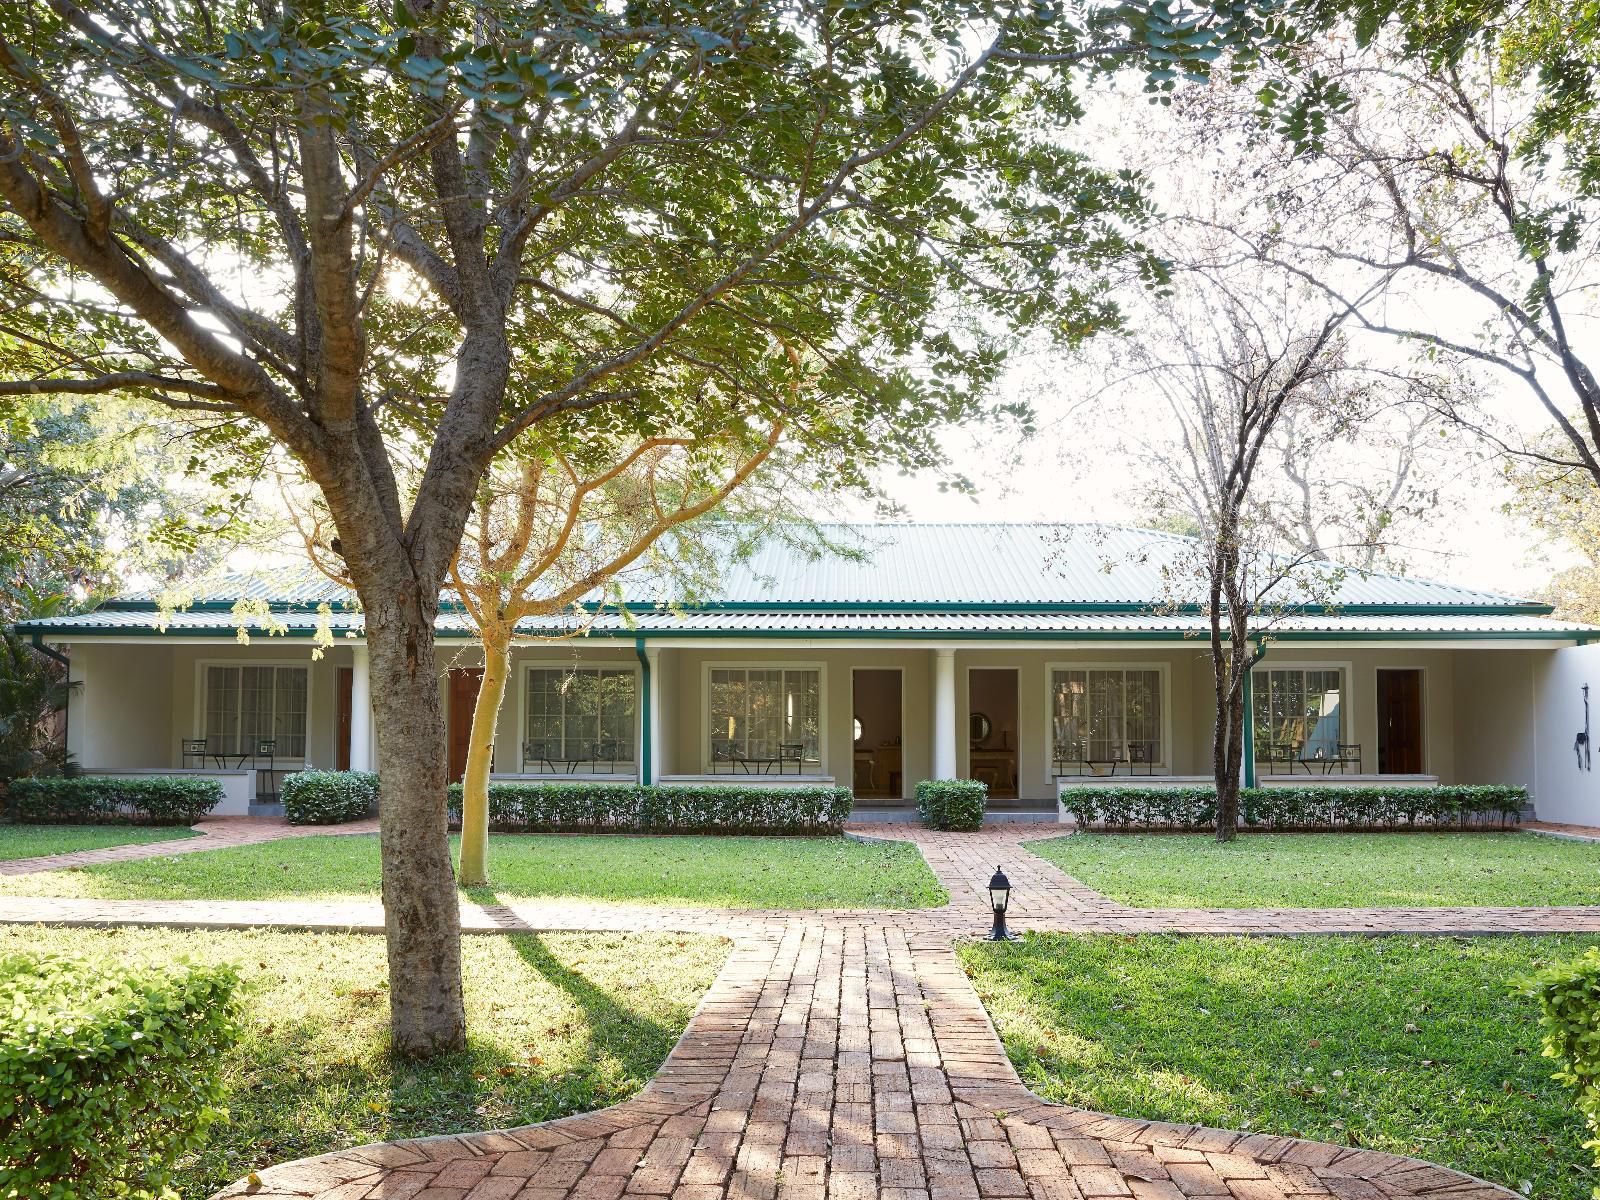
1580, 744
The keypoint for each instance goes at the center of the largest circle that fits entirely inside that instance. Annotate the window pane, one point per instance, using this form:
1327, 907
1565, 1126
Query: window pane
802, 703
1069, 715
1142, 715
222, 709
289, 720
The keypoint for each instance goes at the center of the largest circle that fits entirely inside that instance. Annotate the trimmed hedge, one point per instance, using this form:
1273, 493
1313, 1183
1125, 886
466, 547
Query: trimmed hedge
952, 803
108, 1073
1312, 806
328, 797
634, 808
102, 800
1569, 1002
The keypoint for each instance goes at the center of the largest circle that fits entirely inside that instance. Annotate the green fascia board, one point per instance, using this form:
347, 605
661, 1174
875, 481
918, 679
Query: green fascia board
899, 609
910, 635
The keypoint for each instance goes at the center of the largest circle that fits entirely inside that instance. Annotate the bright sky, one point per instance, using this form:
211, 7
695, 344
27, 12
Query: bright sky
1078, 466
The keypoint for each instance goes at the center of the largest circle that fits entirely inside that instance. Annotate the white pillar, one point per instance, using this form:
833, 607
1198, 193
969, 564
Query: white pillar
944, 714
360, 712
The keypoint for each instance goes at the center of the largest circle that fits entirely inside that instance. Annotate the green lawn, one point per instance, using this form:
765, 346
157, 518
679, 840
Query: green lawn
1414, 1046
1317, 870
706, 871
30, 841
559, 1024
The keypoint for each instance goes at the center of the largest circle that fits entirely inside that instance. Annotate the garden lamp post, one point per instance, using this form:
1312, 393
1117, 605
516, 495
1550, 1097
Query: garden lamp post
999, 898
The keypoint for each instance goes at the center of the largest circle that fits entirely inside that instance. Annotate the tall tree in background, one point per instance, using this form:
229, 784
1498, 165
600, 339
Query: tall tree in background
430, 230
1229, 363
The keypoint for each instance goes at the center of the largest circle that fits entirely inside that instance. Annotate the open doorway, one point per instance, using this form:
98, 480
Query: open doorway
992, 729
879, 768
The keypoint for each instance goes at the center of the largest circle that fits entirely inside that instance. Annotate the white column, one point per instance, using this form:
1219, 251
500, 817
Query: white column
653, 700
944, 714
360, 712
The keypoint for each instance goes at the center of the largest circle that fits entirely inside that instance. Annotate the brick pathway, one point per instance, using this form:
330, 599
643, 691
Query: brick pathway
216, 833
845, 1055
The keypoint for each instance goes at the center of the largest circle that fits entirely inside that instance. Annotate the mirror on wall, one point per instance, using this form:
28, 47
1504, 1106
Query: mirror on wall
982, 727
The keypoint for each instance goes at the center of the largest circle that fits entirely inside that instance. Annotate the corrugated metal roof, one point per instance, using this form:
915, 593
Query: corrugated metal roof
932, 625
885, 566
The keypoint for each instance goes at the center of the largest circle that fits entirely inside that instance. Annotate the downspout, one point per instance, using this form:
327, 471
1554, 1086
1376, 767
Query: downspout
646, 713
1249, 731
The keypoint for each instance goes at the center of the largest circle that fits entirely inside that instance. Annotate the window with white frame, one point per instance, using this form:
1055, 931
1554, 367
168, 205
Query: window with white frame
248, 705
765, 714
1104, 714
1298, 712
580, 717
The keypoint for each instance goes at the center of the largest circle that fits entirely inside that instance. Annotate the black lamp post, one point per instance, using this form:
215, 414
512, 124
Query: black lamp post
999, 897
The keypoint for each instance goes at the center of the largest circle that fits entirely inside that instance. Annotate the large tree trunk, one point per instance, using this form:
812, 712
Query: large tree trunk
480, 759
422, 917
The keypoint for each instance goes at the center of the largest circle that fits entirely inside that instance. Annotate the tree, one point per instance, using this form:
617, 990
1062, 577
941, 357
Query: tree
92, 494
429, 230
1231, 365
33, 691
1461, 174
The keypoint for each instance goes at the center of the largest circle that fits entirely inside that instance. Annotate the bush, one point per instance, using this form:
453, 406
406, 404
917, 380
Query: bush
108, 1073
634, 808
328, 797
1569, 999
952, 803
1311, 806
103, 800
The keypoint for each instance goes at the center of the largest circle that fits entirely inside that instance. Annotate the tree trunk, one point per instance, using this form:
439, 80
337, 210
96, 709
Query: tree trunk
1229, 736
480, 759
422, 917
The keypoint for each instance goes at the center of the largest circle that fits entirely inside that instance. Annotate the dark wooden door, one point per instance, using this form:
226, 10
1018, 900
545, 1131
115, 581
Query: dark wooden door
1400, 722
463, 695
341, 741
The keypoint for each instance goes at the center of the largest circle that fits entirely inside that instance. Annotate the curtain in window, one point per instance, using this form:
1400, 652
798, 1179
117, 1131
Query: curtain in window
755, 711
245, 706
581, 713
1298, 711
1107, 714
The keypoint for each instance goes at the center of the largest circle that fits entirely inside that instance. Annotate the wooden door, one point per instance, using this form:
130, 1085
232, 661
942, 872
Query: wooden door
462, 696
341, 739
1399, 722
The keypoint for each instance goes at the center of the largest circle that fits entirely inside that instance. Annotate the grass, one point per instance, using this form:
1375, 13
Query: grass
30, 841
559, 1024
707, 871
1411, 1046
1330, 870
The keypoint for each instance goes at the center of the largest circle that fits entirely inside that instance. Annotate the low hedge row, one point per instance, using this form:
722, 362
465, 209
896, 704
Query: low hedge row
328, 797
108, 1073
635, 808
1313, 806
104, 800
952, 803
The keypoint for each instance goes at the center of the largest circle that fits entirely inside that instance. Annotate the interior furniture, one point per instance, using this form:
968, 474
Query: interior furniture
997, 768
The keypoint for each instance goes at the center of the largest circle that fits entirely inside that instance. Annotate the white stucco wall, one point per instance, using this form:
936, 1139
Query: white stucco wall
1561, 790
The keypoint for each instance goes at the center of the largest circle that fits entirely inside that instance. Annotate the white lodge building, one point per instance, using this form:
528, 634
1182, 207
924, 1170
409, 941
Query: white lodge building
1022, 655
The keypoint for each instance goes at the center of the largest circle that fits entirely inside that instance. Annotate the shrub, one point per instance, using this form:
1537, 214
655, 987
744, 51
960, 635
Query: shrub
108, 1073
952, 803
1309, 806
634, 808
104, 800
1569, 1000
328, 797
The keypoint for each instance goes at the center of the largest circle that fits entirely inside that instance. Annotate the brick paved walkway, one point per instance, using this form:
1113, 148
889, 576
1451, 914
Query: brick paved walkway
844, 1055
216, 833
